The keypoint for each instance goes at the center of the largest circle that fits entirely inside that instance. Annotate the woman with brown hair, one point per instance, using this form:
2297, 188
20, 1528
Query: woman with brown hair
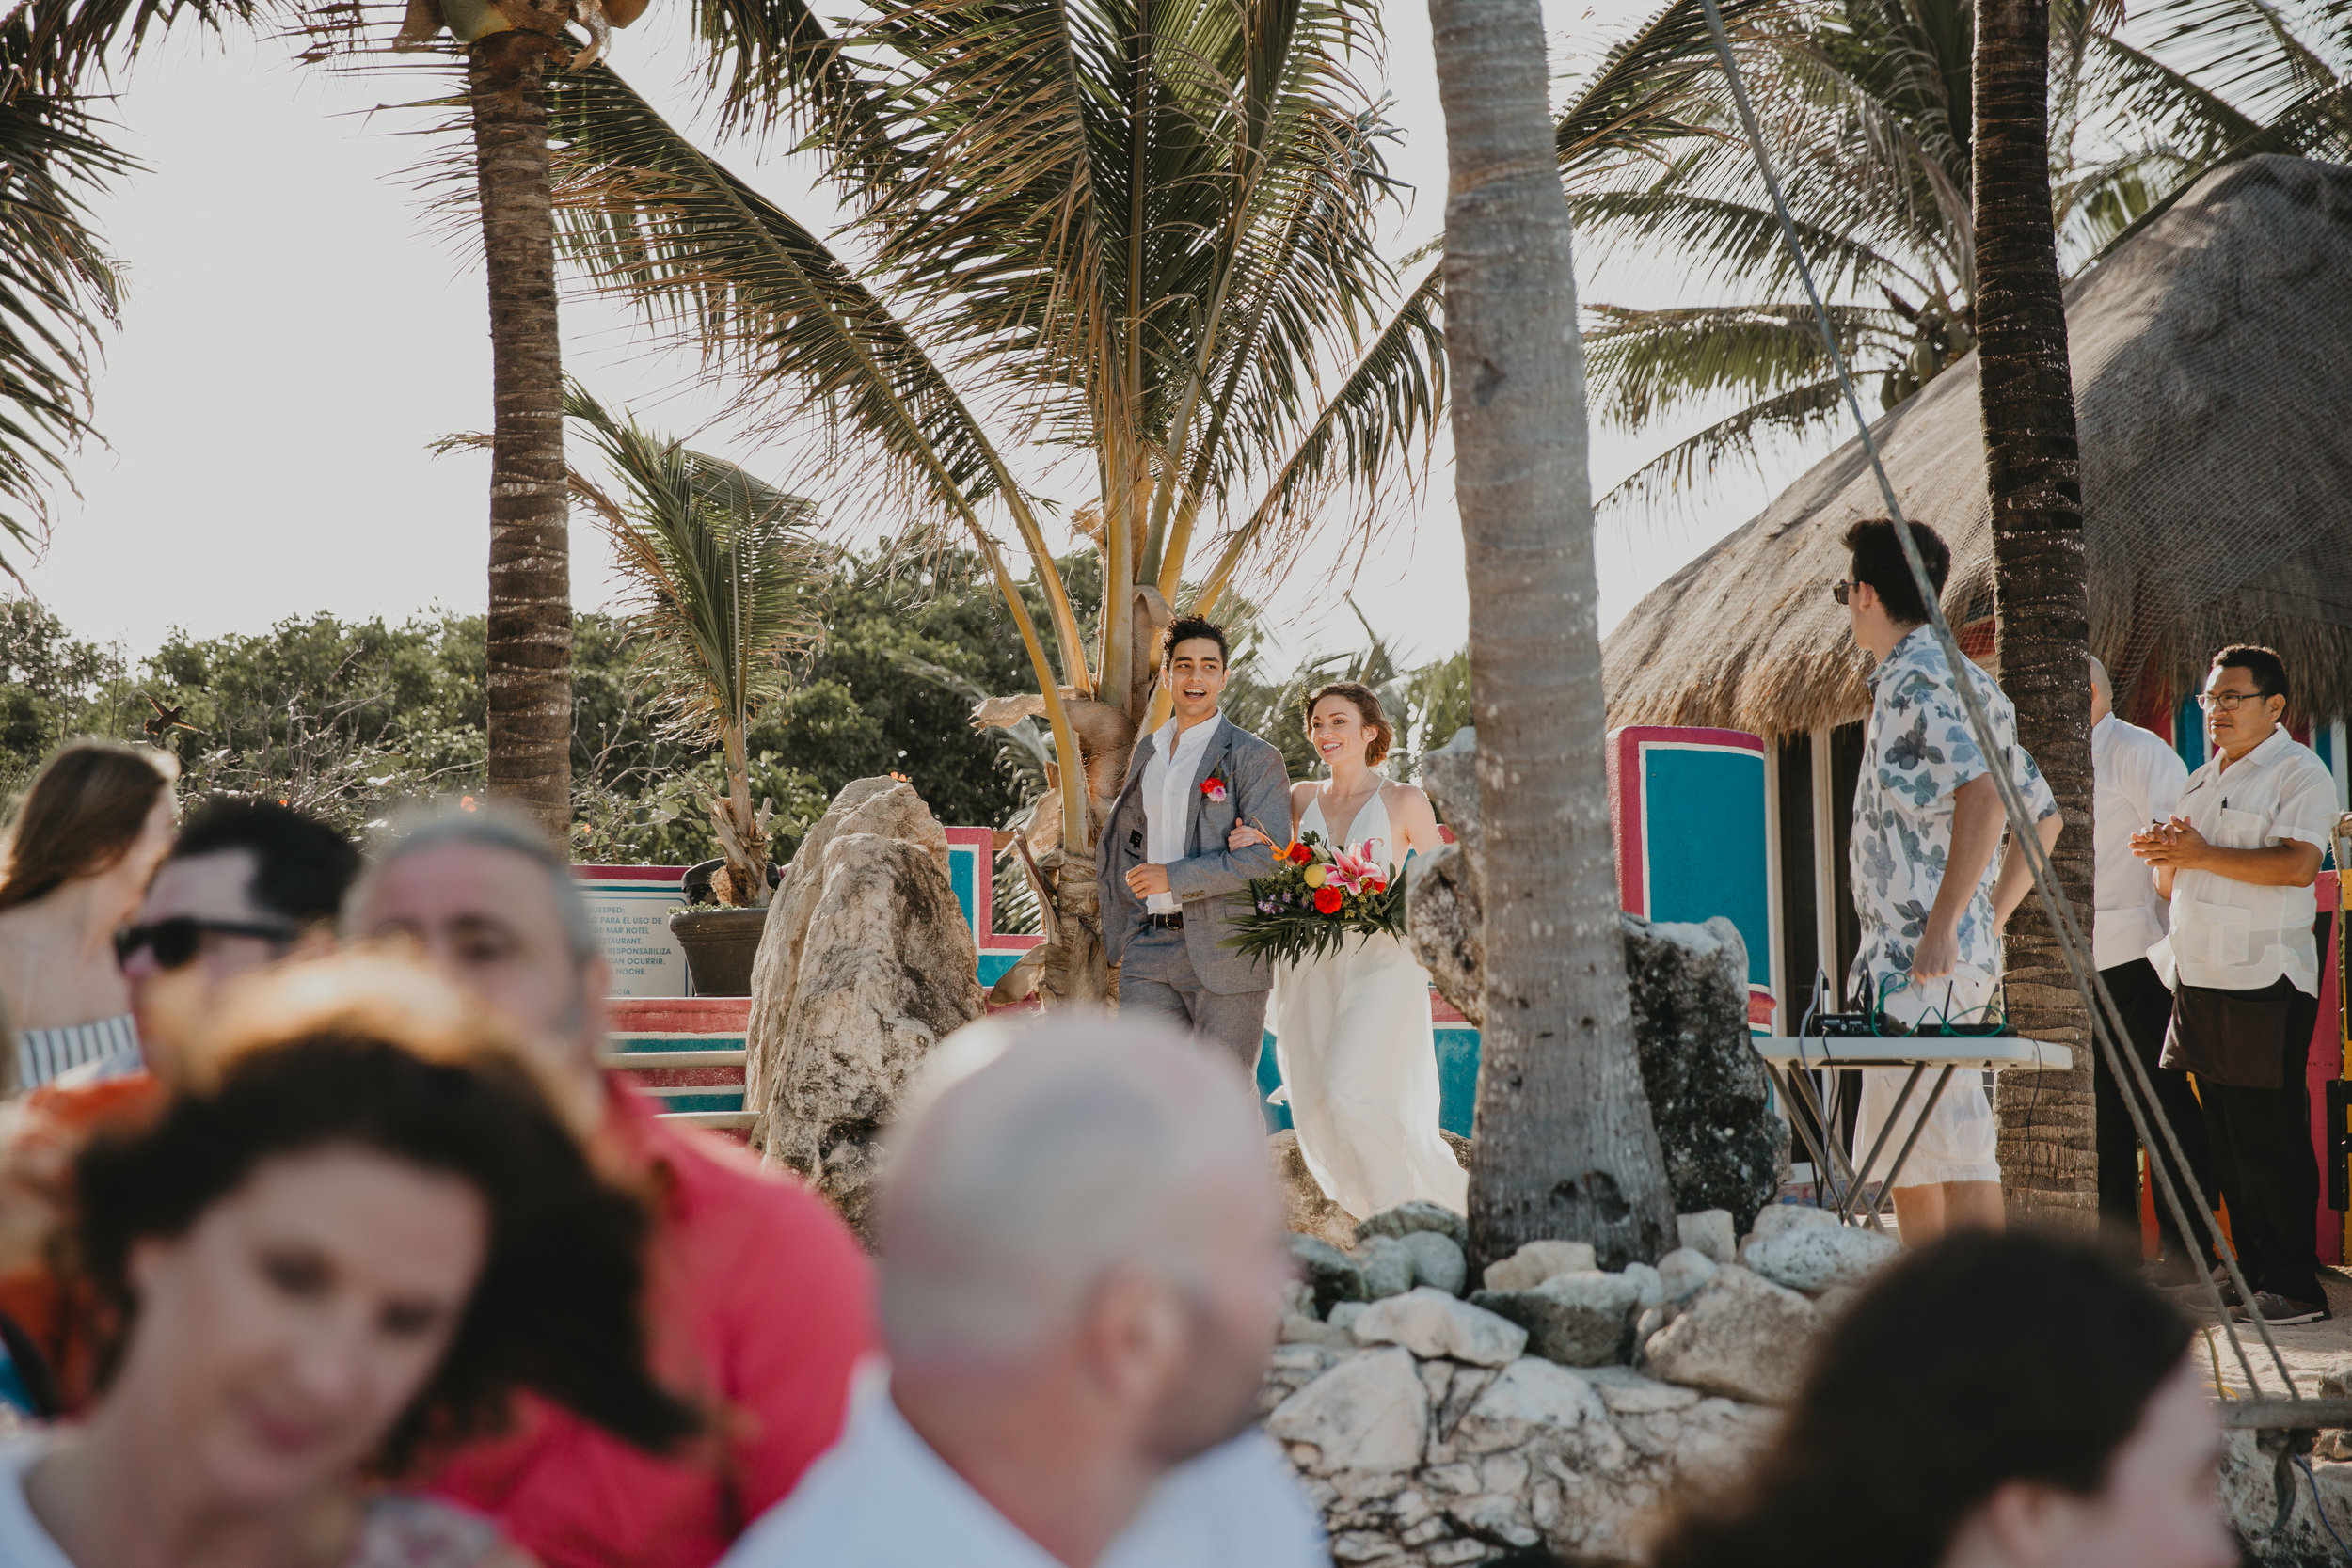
361, 1228
1351, 1028
94, 824
1989, 1402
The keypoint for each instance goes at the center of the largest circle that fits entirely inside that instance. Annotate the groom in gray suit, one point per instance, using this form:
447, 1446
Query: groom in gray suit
1171, 890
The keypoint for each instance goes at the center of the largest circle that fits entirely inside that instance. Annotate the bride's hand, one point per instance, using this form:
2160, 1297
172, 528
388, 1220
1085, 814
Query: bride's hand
1244, 835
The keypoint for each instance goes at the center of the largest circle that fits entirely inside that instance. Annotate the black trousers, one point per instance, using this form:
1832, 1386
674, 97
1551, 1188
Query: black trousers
2262, 1151
2147, 1007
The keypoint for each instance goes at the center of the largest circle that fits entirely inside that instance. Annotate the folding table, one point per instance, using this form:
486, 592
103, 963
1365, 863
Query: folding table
1790, 1064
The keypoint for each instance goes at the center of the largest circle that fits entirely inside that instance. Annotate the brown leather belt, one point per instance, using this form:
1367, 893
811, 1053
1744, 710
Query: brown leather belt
1165, 922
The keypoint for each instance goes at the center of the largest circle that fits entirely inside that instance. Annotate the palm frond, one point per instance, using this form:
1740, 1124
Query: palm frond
724, 569
1731, 242
57, 292
1657, 84
2247, 51
1381, 415
1796, 412
1643, 365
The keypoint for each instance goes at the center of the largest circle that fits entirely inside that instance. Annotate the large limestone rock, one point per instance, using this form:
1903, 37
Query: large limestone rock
1537, 1262
1430, 1322
1530, 1453
1816, 1257
1442, 917
1708, 1093
1741, 1337
1577, 1320
1365, 1414
1306, 1210
866, 963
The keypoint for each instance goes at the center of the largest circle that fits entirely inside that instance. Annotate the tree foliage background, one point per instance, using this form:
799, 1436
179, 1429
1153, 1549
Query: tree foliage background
356, 719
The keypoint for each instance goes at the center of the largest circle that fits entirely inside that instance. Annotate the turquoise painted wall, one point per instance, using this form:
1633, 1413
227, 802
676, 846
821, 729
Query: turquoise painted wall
1695, 875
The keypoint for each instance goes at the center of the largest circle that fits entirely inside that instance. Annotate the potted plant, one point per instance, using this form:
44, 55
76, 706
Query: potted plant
722, 570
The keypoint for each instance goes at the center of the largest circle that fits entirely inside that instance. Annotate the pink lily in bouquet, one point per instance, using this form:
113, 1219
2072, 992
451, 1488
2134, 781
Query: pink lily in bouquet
1357, 871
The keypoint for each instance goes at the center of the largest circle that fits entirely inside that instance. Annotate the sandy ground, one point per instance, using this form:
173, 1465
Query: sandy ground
2312, 1351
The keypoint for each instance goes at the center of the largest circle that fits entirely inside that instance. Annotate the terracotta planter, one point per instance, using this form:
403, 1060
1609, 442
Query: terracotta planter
720, 946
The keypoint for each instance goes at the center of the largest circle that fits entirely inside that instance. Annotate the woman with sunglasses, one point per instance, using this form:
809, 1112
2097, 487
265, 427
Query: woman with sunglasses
338, 1250
95, 823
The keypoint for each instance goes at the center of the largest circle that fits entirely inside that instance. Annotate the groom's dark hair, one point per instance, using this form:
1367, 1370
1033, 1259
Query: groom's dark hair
1190, 629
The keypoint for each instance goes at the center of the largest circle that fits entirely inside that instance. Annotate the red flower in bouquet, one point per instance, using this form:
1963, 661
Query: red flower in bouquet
1299, 854
1327, 900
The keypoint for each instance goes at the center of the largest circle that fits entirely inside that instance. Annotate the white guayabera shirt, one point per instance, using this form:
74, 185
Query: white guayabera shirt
2231, 934
2136, 779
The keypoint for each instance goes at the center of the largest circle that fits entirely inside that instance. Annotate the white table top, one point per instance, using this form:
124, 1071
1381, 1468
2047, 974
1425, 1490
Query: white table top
1994, 1051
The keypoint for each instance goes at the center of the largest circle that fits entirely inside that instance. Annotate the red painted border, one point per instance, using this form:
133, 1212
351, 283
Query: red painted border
682, 1015
2327, 1059
989, 939
671, 873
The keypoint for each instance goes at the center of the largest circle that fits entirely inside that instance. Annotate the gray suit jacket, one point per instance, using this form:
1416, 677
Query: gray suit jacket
1212, 881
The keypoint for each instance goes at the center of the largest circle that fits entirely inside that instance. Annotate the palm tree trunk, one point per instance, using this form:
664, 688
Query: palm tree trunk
1564, 1145
2048, 1154
529, 629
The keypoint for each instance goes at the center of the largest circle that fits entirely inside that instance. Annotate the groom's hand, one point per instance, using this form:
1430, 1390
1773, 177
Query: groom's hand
1145, 880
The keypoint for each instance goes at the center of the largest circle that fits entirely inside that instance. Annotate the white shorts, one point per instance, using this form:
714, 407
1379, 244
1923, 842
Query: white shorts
1959, 1143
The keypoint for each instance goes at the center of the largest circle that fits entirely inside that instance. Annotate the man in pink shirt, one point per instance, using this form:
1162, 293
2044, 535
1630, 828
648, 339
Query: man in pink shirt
760, 1299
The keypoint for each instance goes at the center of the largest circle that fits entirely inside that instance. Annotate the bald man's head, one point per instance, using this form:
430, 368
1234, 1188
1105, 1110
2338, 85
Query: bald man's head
1038, 1160
2102, 690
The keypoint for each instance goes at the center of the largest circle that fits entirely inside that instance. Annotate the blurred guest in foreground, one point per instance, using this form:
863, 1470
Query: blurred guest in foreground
1082, 1267
760, 1298
94, 823
359, 1225
247, 883
1990, 1402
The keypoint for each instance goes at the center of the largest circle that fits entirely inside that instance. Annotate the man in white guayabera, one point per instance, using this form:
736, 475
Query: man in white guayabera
1927, 818
2239, 859
1082, 1270
2136, 779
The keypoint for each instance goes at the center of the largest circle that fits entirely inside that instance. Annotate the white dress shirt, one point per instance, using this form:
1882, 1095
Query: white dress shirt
2136, 779
1167, 790
881, 1498
2232, 935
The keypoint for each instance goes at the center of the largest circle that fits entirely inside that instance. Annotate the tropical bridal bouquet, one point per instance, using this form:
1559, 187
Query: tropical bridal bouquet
1317, 897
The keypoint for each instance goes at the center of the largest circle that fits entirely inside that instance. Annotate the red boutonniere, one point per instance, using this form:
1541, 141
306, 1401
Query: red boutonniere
1213, 786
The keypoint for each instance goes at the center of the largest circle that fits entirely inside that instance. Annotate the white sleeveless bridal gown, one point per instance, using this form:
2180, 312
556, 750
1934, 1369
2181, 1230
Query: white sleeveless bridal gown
1352, 1036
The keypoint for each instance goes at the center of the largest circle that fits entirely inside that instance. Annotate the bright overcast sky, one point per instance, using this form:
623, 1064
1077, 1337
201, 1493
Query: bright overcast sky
299, 328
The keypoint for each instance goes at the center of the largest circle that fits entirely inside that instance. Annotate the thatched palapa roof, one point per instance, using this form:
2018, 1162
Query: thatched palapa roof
2213, 383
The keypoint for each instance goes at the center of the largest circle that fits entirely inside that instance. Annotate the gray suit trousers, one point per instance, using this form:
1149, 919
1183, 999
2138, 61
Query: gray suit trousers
1156, 979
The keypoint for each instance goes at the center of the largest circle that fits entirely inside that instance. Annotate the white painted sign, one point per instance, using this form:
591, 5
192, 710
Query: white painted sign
631, 906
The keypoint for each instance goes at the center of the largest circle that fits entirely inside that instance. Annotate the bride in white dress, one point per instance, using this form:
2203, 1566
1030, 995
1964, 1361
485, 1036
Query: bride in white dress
1351, 1028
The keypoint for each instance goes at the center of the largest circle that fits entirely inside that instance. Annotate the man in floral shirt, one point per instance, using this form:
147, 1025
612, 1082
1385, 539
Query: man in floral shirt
1927, 818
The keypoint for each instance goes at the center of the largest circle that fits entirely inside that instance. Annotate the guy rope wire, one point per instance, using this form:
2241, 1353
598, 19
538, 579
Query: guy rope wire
2105, 1018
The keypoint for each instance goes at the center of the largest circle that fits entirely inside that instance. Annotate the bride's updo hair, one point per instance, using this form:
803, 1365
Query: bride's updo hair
1367, 705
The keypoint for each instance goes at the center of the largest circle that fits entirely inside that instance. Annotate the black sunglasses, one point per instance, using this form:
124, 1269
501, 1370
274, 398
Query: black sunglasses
175, 941
1839, 589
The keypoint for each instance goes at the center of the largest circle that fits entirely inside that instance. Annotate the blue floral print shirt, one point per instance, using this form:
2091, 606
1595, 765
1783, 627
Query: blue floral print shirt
1916, 753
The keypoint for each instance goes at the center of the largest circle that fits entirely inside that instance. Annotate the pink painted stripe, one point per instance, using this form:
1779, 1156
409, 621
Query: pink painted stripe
682, 1015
